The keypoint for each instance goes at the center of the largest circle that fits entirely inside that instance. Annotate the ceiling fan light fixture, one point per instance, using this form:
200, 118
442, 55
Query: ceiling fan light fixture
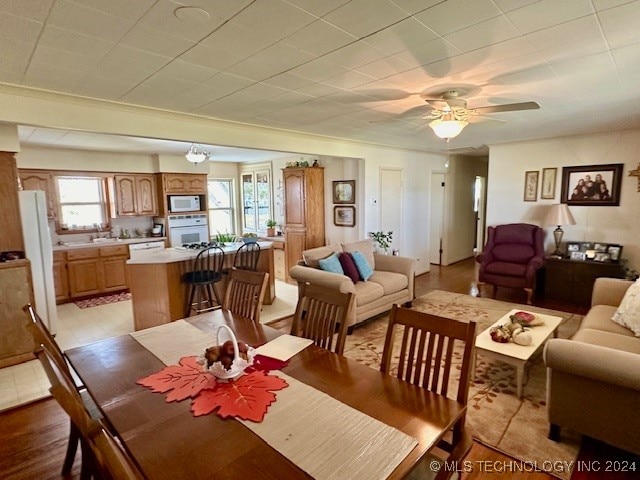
445, 128
196, 154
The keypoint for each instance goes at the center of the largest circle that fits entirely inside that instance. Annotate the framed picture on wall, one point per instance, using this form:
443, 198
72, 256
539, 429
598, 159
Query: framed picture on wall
344, 216
531, 186
548, 189
596, 185
344, 191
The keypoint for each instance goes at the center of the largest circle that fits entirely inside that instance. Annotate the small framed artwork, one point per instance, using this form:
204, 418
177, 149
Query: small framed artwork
597, 185
601, 257
600, 247
584, 246
614, 252
573, 247
548, 189
531, 186
578, 256
344, 216
344, 191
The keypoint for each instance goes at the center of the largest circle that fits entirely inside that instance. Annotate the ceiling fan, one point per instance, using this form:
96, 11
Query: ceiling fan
449, 113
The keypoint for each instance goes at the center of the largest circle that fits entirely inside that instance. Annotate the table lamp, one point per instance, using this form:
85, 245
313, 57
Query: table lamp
559, 214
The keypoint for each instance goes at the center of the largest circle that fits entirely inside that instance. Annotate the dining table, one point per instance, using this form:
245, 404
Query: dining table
166, 440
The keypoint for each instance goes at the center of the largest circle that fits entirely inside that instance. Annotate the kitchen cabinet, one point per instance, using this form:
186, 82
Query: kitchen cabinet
90, 271
303, 211
572, 281
16, 343
183, 183
40, 180
83, 270
135, 195
113, 261
60, 278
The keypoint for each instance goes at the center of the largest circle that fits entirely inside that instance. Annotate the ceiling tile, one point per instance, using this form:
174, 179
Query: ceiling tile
285, 100
169, 83
604, 4
221, 85
69, 41
184, 102
454, 15
122, 56
210, 57
601, 68
8, 76
51, 77
155, 41
19, 28
568, 32
415, 6
62, 59
273, 19
319, 38
348, 80
429, 52
109, 88
87, 21
380, 14
187, 71
270, 62
34, 10
508, 5
355, 55
514, 47
128, 9
547, 13
318, 69
146, 95
318, 90
162, 17
15, 56
620, 24
288, 81
447, 69
401, 36
385, 67
575, 49
318, 7
237, 39
489, 32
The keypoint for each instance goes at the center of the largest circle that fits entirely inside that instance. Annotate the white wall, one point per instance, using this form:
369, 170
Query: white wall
509, 162
86, 160
9, 141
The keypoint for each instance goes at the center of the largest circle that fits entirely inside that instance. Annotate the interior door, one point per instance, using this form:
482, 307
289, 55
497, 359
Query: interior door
436, 214
391, 204
256, 199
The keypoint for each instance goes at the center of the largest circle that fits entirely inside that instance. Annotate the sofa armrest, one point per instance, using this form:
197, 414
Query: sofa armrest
602, 364
609, 291
390, 263
315, 276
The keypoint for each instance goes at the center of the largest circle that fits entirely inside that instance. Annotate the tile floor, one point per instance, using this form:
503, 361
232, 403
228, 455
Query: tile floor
27, 382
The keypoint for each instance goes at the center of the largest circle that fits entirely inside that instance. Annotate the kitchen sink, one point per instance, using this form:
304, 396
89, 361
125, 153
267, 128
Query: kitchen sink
104, 240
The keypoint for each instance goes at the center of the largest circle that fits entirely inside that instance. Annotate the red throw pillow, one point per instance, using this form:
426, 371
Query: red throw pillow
350, 269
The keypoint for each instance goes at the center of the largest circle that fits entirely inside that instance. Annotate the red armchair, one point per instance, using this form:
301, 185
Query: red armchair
511, 257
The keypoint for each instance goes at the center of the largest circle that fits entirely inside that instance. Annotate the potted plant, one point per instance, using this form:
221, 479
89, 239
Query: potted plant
271, 228
249, 237
383, 240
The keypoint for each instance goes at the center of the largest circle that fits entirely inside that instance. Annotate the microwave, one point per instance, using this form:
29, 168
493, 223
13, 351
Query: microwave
184, 203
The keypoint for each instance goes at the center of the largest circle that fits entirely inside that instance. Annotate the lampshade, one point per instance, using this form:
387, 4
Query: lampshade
447, 126
196, 153
559, 214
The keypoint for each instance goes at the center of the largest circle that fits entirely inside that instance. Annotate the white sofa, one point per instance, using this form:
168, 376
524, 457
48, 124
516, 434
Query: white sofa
392, 280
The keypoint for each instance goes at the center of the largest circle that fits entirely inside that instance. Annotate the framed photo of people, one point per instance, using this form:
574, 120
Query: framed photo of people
596, 185
596, 251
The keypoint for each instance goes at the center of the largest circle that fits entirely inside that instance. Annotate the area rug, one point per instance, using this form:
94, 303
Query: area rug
496, 417
94, 302
284, 304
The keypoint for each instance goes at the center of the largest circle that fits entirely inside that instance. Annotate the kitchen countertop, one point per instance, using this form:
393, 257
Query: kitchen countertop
105, 243
172, 254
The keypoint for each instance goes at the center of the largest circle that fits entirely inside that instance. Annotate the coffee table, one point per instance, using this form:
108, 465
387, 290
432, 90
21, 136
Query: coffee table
512, 353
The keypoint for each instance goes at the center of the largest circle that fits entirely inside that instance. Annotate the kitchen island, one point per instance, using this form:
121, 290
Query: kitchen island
155, 280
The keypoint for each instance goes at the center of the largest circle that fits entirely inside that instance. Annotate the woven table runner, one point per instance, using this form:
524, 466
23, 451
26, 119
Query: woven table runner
321, 435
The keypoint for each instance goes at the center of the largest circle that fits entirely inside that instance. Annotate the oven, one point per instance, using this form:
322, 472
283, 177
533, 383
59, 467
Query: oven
185, 229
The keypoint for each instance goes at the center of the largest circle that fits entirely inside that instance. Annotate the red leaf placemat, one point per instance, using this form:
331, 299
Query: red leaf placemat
247, 398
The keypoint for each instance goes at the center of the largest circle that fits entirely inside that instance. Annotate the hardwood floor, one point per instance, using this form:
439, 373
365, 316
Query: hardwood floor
34, 437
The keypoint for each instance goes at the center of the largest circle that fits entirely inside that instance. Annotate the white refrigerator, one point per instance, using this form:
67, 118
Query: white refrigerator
39, 251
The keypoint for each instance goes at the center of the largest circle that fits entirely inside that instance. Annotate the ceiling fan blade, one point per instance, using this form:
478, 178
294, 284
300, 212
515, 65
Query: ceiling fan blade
509, 107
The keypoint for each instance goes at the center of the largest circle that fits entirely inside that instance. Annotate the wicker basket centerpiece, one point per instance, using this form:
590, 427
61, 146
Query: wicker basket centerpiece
228, 359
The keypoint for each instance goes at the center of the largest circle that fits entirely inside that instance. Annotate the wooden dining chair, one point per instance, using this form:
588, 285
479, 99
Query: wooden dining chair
245, 293
426, 359
319, 313
113, 462
42, 338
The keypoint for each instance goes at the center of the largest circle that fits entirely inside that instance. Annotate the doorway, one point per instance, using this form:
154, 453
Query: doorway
391, 204
479, 206
436, 215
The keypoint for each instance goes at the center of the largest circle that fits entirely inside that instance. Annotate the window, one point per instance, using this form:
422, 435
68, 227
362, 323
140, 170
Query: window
82, 203
221, 206
256, 198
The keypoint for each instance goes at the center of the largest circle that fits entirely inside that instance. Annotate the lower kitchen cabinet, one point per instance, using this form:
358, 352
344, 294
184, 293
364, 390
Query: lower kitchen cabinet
16, 343
90, 271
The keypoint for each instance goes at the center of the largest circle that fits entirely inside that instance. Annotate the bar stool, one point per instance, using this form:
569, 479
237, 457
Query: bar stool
207, 268
246, 257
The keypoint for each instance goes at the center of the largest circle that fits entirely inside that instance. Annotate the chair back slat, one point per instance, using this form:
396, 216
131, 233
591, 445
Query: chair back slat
245, 293
319, 312
208, 261
42, 336
246, 257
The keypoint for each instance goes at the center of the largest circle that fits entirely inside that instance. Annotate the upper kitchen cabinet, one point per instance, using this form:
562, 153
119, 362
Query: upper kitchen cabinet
40, 180
182, 183
135, 195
